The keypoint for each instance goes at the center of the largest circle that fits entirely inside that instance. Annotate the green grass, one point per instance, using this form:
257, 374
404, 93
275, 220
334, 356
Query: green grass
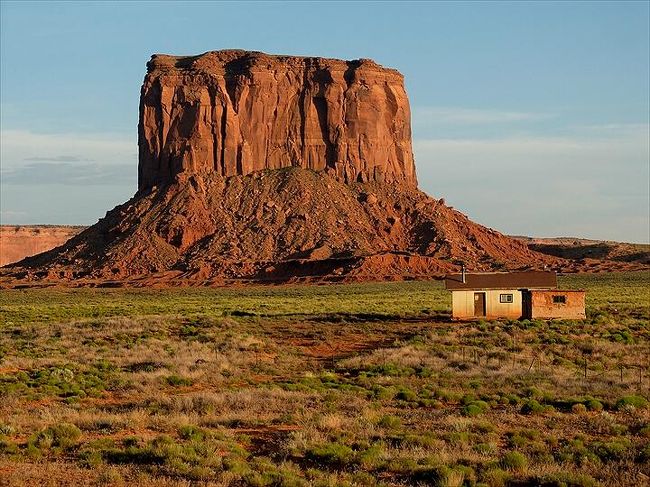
355, 300
622, 290
394, 299
358, 385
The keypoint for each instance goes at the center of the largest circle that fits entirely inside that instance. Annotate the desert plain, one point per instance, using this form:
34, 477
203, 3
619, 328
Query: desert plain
266, 310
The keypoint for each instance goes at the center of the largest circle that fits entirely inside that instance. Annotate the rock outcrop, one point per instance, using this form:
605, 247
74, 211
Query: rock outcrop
236, 112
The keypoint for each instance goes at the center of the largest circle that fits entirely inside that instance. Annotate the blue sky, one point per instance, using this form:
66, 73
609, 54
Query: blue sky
532, 118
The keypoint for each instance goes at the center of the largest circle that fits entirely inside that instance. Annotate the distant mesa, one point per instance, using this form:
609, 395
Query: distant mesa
20, 241
261, 168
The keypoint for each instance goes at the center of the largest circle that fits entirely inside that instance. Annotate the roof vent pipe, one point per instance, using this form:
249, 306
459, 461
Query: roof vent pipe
462, 273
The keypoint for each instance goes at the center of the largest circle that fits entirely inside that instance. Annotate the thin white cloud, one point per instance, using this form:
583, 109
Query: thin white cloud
592, 182
18, 146
618, 146
70, 174
423, 116
8, 214
64, 178
612, 130
61, 158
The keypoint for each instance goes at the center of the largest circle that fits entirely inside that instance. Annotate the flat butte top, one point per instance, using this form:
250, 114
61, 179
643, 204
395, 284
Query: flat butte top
237, 61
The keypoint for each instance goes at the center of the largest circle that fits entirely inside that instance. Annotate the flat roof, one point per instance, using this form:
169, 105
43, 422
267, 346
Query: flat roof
502, 280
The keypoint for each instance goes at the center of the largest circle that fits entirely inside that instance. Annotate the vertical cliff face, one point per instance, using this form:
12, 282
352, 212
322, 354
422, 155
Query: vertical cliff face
236, 112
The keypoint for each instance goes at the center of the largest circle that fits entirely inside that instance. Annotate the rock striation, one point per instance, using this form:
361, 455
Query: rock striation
235, 112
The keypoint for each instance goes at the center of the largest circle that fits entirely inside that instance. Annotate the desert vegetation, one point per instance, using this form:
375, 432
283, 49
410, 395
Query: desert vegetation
367, 384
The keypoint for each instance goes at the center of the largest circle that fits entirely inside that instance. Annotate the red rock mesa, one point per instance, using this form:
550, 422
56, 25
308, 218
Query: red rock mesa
235, 112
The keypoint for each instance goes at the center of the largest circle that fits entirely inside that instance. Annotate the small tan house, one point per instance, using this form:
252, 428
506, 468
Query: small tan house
531, 294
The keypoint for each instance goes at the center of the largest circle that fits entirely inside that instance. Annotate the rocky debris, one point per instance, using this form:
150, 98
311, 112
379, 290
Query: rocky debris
291, 224
235, 112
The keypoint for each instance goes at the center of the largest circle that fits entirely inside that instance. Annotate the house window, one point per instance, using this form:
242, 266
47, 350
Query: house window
559, 299
505, 298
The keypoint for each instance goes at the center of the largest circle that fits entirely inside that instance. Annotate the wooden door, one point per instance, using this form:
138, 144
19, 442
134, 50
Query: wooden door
479, 304
526, 305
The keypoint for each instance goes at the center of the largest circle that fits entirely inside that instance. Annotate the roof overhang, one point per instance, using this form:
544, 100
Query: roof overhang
502, 280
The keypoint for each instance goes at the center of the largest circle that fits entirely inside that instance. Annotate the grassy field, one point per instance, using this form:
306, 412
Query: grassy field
367, 384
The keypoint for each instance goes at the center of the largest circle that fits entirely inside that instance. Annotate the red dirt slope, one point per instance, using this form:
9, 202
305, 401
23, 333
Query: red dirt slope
277, 225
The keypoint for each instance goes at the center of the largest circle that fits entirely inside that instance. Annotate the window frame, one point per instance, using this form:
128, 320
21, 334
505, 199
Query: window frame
559, 299
506, 298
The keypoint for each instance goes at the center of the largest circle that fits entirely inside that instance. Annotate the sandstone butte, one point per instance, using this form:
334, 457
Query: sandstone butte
261, 168
235, 112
